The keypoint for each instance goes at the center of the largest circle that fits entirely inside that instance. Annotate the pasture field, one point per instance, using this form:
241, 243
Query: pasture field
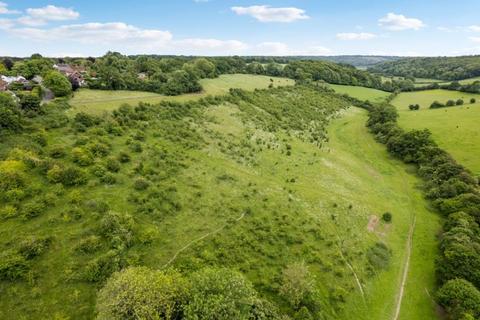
455, 129
99, 101
361, 93
386, 178
244, 185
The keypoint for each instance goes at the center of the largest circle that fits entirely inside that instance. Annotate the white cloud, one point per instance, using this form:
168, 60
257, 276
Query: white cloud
41, 16
268, 14
474, 28
53, 13
6, 24
90, 33
4, 9
356, 36
122, 37
475, 39
398, 22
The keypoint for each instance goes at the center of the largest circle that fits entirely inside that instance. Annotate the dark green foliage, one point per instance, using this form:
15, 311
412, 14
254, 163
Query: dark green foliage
68, 176
30, 103
10, 118
473, 100
89, 244
32, 247
444, 68
107, 178
219, 294
379, 256
387, 217
118, 229
460, 298
140, 293
450, 103
436, 105
414, 107
112, 165
123, 157
13, 266
58, 83
33, 209
459, 102
84, 120
100, 268
141, 184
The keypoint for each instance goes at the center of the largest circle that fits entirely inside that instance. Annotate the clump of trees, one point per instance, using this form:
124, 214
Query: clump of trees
414, 107
58, 83
211, 293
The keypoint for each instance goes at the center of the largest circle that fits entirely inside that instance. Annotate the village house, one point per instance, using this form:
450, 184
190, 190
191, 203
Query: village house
6, 81
73, 73
3, 85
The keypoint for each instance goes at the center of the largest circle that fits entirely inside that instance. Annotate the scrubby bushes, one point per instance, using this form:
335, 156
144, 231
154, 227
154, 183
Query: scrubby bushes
68, 176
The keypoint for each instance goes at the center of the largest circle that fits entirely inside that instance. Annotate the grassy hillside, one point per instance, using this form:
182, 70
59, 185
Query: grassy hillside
99, 101
243, 182
455, 128
361, 93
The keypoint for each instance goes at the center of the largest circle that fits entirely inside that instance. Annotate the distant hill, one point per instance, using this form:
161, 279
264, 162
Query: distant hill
443, 68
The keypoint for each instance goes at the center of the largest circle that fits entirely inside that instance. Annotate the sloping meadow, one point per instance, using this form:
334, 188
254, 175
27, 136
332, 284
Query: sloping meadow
230, 181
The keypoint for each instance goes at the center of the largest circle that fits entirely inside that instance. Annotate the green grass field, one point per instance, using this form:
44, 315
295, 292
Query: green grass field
455, 129
99, 101
361, 93
355, 153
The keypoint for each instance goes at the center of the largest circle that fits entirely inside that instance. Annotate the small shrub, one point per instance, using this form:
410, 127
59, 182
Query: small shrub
13, 266
99, 269
123, 157
32, 247
89, 244
141, 184
8, 212
436, 105
82, 157
112, 165
136, 147
57, 151
108, 178
69, 176
33, 209
473, 100
459, 102
387, 217
450, 103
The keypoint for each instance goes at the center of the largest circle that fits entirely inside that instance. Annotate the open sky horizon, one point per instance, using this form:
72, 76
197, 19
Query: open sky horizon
215, 27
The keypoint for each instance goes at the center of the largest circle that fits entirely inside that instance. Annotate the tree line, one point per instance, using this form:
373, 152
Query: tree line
443, 68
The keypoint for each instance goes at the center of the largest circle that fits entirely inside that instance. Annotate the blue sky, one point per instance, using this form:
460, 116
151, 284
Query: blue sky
228, 27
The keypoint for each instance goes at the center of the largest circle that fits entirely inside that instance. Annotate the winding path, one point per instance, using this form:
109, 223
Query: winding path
199, 239
406, 266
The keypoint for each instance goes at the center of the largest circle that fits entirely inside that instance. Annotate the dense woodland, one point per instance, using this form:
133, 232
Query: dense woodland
442, 68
